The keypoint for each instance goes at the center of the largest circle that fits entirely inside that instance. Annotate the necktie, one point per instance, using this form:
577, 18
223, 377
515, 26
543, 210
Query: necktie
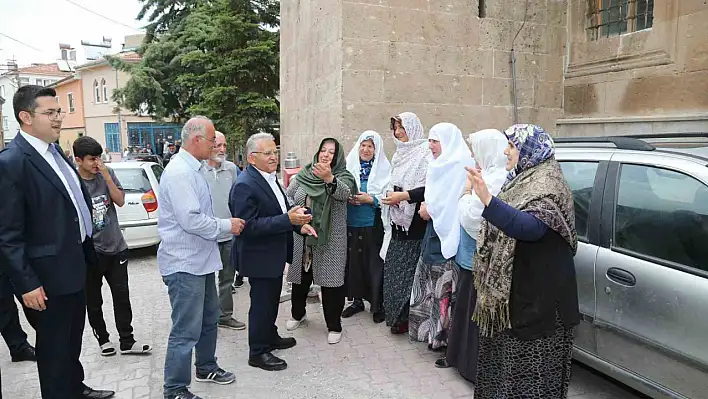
75, 190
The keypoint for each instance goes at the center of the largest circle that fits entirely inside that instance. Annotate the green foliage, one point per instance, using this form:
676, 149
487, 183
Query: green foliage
218, 58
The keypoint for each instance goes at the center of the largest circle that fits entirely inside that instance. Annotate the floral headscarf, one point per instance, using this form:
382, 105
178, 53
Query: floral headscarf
534, 145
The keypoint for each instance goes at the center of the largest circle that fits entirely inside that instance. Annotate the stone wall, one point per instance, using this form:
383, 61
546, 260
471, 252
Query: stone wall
651, 81
349, 65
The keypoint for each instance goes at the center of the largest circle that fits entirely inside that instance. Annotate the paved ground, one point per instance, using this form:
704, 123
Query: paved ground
368, 363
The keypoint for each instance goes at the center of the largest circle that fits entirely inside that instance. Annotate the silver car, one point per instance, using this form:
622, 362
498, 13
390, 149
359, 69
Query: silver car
641, 210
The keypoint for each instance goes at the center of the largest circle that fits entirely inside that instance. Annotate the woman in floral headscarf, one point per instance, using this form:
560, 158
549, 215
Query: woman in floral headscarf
405, 228
527, 302
368, 164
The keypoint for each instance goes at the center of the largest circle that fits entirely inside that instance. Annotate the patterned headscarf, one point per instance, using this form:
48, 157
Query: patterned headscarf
534, 145
536, 186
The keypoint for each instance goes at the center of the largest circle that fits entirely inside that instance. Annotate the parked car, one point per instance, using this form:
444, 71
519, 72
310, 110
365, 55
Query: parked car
138, 157
138, 216
641, 208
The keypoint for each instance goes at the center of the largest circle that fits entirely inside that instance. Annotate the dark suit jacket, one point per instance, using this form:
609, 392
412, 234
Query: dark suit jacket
266, 242
40, 243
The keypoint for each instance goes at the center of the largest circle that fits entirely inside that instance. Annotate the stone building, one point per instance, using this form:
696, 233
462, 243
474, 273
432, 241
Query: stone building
591, 66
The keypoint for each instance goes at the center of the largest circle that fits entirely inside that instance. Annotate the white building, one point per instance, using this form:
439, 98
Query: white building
35, 74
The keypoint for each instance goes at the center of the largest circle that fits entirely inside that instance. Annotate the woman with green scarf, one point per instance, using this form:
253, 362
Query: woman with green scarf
323, 187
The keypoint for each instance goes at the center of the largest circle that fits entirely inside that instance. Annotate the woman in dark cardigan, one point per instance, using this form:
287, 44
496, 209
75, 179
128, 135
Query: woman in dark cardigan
527, 302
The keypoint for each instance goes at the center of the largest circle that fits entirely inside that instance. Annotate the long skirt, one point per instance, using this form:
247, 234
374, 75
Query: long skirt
399, 269
510, 368
463, 340
431, 302
364, 272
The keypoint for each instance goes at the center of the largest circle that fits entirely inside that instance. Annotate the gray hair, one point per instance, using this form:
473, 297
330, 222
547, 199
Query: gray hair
252, 143
194, 126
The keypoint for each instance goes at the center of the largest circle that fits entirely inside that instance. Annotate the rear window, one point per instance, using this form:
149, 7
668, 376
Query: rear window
133, 180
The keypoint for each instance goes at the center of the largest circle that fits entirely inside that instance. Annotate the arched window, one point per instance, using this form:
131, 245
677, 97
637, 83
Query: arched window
104, 90
97, 92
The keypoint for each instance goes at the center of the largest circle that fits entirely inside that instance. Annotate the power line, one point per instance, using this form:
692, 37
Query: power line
22, 43
102, 16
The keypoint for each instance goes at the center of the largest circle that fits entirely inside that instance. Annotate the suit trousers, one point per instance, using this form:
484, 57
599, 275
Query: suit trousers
10, 327
332, 301
265, 300
60, 329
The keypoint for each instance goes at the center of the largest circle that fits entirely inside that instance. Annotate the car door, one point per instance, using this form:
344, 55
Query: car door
585, 173
652, 273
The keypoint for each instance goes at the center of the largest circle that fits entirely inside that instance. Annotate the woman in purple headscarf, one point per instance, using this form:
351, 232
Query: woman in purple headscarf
527, 302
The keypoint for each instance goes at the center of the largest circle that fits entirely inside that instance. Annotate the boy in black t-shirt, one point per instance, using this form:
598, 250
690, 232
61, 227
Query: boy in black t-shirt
106, 192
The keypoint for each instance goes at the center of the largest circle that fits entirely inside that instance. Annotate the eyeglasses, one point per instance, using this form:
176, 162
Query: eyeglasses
268, 154
213, 139
54, 113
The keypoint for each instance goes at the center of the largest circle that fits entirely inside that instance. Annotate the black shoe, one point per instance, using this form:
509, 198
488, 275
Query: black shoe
89, 393
284, 343
379, 317
25, 355
353, 309
267, 362
442, 363
184, 395
238, 283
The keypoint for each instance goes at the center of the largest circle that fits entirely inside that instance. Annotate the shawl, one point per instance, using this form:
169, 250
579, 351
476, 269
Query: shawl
488, 150
380, 172
409, 166
444, 182
537, 187
320, 198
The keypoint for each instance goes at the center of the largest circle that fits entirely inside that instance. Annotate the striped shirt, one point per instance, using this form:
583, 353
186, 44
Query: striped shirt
187, 227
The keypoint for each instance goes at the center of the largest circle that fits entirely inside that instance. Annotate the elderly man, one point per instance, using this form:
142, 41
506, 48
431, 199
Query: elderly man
265, 246
188, 258
221, 175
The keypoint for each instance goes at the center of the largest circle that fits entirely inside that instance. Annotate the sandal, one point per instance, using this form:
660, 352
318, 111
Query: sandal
108, 349
137, 349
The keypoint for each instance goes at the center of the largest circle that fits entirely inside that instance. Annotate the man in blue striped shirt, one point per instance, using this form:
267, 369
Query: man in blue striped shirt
188, 258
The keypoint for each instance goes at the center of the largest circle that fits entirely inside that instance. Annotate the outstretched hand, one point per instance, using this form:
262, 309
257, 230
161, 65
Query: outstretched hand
477, 183
308, 231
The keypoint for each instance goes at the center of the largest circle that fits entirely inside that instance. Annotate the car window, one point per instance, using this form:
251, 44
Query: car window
581, 178
157, 170
133, 180
663, 214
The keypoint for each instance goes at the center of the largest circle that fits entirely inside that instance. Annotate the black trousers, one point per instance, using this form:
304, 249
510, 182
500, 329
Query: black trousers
60, 328
10, 327
114, 268
332, 301
265, 300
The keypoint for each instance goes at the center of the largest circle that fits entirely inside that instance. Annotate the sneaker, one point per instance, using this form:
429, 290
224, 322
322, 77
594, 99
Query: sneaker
232, 324
334, 337
185, 394
293, 324
356, 307
220, 376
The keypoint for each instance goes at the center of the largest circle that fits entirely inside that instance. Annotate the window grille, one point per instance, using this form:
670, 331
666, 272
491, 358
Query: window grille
616, 17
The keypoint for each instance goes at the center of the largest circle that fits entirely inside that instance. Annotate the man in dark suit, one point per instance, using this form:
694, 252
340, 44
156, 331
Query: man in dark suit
45, 241
264, 246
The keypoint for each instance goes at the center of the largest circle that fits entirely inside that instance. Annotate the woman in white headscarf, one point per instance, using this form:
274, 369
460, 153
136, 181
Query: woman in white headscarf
400, 217
436, 273
368, 164
463, 341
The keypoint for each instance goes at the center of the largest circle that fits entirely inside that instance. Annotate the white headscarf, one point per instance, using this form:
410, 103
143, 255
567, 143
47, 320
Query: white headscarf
445, 180
488, 147
409, 165
380, 169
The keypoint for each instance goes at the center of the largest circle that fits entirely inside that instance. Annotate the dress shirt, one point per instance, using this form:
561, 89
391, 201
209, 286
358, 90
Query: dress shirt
187, 227
273, 183
43, 150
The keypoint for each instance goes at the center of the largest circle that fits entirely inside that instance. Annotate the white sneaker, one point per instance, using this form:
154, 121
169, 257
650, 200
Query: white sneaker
293, 324
334, 337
